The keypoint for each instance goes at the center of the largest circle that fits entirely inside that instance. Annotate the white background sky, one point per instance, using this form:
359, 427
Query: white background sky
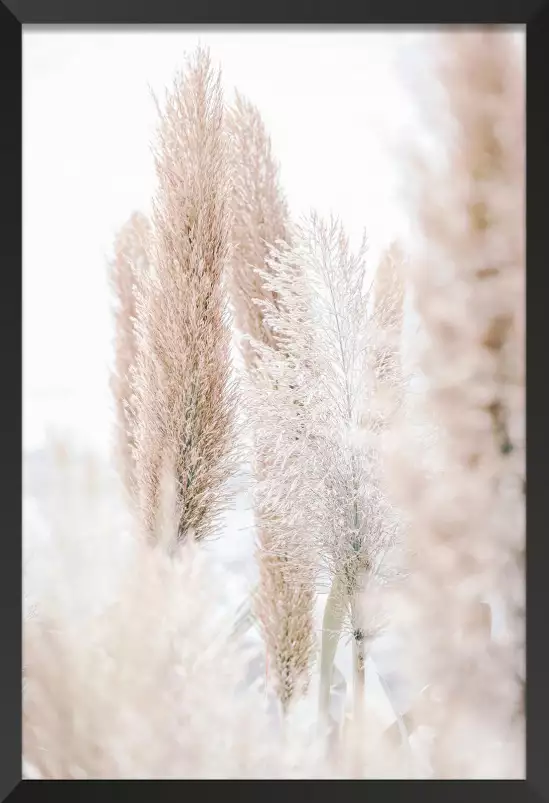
328, 98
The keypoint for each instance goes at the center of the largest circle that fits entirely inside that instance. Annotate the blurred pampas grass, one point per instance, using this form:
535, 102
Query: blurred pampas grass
117, 685
129, 268
465, 188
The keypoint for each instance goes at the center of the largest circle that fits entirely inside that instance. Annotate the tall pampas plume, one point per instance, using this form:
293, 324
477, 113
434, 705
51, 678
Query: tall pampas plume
467, 509
129, 267
284, 600
260, 219
309, 407
185, 396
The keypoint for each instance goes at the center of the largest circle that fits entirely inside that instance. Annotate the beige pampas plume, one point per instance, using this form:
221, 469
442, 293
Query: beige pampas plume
185, 399
129, 264
467, 273
260, 219
285, 598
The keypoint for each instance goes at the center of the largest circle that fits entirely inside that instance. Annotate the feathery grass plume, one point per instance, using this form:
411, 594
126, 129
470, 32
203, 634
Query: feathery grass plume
127, 698
185, 397
129, 264
466, 195
284, 601
260, 219
323, 478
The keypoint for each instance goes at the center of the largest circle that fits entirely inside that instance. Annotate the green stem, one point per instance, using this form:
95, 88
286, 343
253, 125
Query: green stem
359, 656
332, 624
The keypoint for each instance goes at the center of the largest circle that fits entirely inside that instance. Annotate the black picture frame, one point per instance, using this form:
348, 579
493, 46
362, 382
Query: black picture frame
535, 15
